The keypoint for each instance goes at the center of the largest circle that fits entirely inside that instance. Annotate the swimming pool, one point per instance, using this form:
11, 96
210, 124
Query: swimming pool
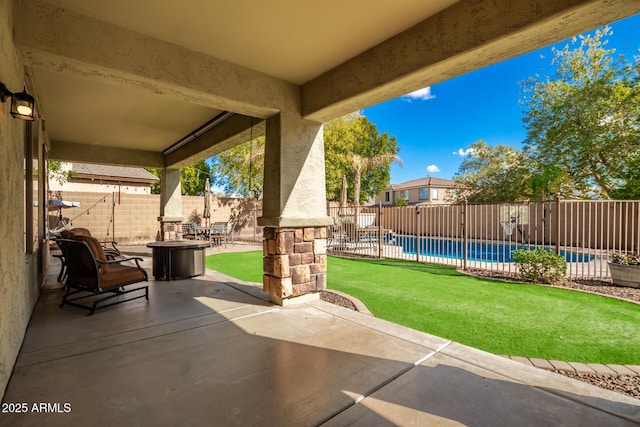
476, 250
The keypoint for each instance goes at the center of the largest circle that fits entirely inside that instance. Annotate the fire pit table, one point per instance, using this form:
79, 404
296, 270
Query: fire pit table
178, 259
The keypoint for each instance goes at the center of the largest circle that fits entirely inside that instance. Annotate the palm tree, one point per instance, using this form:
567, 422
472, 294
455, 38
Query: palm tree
253, 163
362, 164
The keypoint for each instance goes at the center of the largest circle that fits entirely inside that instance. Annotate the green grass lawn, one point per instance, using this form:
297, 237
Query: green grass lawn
503, 318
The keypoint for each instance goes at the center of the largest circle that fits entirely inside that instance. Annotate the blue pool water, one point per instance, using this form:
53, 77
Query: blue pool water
476, 251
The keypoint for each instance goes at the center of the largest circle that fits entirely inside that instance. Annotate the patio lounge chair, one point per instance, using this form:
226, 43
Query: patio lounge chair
110, 248
90, 274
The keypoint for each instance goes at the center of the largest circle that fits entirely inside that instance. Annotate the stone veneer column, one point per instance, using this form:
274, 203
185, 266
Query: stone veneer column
294, 211
170, 205
295, 261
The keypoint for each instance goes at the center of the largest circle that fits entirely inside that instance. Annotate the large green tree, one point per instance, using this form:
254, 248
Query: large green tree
630, 189
192, 178
58, 173
585, 120
240, 170
493, 174
354, 148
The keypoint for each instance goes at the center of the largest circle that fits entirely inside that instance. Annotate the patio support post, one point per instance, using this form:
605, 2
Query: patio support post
170, 204
294, 208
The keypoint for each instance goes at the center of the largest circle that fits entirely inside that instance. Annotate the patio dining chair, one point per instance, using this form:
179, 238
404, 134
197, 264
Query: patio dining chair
189, 231
218, 232
93, 280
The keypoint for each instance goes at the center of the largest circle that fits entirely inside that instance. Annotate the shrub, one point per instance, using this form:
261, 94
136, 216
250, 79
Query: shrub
401, 201
540, 265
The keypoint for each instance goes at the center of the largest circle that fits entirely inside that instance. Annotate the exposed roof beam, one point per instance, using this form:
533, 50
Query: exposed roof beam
87, 153
62, 40
233, 131
469, 35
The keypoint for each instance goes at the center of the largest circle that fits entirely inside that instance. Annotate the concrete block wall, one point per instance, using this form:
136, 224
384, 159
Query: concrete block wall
135, 216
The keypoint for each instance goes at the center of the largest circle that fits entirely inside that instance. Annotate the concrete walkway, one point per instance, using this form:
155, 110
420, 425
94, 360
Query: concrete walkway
213, 351
586, 368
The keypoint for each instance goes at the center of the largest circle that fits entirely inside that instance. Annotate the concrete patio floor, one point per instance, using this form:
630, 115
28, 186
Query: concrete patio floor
213, 351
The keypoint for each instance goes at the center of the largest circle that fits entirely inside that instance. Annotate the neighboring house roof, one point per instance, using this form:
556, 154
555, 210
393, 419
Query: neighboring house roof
424, 182
113, 173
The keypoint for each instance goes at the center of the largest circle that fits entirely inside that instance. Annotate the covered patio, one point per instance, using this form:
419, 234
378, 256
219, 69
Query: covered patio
122, 83
215, 351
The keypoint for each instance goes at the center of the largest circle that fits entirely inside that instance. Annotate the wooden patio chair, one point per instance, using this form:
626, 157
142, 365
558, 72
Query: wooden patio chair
93, 279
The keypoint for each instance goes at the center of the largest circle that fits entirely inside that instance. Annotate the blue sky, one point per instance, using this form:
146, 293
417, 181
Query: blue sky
483, 105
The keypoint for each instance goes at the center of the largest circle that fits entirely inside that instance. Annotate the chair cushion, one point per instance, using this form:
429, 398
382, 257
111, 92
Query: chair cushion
120, 275
75, 232
96, 250
81, 232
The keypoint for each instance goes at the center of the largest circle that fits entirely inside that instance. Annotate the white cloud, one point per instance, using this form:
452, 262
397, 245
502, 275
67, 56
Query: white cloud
464, 152
420, 95
433, 168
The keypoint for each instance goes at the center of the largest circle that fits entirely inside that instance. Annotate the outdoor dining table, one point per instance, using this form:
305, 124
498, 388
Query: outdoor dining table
178, 259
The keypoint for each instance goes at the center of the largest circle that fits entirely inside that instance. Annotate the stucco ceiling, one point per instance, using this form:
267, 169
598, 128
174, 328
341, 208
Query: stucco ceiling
143, 75
290, 40
293, 40
93, 113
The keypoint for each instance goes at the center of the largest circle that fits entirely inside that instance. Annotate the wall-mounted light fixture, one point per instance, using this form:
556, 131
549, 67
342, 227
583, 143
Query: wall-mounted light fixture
22, 104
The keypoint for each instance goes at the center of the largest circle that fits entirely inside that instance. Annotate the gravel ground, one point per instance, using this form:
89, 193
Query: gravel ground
337, 300
625, 384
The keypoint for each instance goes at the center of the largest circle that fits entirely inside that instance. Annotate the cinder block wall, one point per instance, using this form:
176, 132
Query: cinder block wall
135, 216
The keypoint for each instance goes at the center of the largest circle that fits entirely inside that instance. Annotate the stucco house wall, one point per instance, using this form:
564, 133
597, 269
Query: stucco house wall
18, 279
440, 192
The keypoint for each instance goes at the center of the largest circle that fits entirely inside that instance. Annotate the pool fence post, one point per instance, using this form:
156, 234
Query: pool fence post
380, 228
465, 210
557, 224
417, 223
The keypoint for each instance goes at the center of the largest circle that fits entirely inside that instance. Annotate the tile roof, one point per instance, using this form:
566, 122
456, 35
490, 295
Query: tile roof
424, 182
105, 172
